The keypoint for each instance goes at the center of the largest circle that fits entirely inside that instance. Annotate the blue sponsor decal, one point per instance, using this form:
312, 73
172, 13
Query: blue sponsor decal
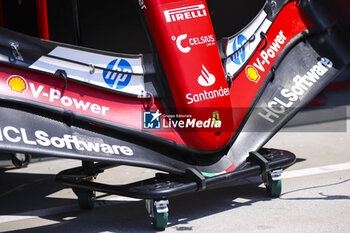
238, 45
118, 80
151, 120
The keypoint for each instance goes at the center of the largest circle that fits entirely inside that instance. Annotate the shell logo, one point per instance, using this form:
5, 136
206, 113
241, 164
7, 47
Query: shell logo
252, 74
17, 84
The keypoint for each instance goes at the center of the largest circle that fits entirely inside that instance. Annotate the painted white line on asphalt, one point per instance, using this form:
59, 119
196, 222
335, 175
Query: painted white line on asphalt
315, 170
60, 210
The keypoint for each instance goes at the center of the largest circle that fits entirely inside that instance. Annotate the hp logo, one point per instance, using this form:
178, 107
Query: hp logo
238, 45
118, 80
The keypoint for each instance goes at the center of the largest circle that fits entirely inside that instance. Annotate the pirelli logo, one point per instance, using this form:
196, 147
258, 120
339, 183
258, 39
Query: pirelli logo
185, 13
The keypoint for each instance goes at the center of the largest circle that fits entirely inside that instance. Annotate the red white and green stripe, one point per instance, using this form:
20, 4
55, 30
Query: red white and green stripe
230, 169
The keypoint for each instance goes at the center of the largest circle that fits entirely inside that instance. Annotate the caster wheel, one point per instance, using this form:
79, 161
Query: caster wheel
86, 198
159, 213
274, 187
160, 220
20, 159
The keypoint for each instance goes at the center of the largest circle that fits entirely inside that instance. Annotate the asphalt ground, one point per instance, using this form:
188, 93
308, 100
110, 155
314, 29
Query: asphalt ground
315, 195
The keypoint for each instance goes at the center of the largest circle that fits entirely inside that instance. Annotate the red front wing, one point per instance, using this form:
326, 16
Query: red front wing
185, 39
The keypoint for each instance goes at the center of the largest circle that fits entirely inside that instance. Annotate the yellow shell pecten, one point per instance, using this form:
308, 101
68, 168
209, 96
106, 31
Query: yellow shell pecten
17, 84
252, 74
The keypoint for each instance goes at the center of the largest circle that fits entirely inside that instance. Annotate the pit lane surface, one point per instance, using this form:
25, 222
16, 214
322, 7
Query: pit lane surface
315, 195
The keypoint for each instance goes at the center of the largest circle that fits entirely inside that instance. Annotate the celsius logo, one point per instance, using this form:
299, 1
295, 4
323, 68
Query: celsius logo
120, 78
17, 84
179, 39
184, 13
208, 40
206, 79
239, 50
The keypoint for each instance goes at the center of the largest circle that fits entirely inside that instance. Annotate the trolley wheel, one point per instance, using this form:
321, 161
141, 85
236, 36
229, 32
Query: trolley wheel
274, 187
86, 198
160, 220
158, 212
20, 159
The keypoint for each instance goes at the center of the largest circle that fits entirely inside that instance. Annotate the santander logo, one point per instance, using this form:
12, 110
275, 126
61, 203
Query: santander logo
206, 79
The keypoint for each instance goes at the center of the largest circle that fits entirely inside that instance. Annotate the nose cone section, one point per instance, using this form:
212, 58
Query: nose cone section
185, 38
